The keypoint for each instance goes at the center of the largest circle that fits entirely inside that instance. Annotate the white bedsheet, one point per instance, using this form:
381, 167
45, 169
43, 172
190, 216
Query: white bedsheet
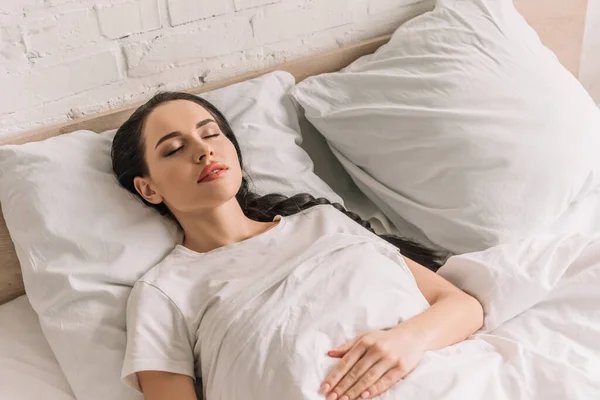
28, 369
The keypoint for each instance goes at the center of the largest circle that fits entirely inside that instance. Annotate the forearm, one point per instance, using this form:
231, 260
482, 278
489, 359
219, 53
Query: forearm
159, 385
452, 317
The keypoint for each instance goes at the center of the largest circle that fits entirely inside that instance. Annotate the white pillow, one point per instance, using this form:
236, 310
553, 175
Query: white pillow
328, 168
82, 240
464, 125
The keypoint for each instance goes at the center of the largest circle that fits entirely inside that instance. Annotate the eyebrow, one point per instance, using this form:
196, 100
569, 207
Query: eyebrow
177, 133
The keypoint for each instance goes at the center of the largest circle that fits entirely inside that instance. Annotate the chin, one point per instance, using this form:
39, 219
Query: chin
216, 195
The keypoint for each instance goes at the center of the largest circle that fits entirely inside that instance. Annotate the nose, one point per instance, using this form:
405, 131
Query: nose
201, 150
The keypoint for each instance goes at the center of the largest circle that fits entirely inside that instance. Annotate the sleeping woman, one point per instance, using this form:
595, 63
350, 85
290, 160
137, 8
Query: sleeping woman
268, 297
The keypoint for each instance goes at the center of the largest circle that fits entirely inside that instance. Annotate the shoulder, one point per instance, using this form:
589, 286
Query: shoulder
162, 282
316, 215
331, 220
145, 292
161, 271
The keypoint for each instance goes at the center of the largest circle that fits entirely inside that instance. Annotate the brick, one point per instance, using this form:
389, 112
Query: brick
61, 32
10, 34
15, 6
183, 11
243, 4
58, 81
13, 59
91, 101
124, 19
288, 20
379, 23
215, 38
12, 51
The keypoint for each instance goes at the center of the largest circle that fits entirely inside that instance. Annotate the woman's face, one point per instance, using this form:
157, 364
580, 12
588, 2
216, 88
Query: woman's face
182, 144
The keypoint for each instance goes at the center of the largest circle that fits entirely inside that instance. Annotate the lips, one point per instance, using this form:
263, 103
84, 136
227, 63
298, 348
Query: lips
211, 168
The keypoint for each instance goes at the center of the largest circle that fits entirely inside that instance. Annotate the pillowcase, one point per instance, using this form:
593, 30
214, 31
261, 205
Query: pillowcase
464, 125
328, 168
83, 241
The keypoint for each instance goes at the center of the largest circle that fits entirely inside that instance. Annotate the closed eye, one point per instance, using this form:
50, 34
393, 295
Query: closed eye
173, 151
181, 147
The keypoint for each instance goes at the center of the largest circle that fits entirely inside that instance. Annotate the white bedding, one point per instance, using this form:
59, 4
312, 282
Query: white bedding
328, 168
541, 339
28, 369
542, 324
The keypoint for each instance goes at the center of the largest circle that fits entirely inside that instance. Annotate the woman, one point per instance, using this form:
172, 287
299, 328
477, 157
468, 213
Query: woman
262, 289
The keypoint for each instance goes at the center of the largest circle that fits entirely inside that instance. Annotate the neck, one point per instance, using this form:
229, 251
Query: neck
217, 227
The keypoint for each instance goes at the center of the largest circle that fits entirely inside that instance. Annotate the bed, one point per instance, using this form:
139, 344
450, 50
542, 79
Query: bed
29, 369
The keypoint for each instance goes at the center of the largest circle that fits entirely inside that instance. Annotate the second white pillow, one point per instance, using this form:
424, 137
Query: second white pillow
464, 124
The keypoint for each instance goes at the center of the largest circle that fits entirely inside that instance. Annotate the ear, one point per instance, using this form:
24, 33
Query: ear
145, 188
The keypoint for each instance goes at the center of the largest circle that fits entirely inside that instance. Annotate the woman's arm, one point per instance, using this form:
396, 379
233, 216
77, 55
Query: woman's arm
453, 315
159, 385
375, 361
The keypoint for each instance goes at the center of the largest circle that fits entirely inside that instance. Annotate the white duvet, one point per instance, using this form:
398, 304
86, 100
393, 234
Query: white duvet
541, 338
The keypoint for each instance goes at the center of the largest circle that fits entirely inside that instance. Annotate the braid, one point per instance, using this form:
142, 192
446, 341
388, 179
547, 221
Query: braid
265, 208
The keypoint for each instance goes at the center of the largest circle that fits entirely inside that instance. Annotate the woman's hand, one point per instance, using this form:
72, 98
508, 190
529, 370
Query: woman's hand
372, 363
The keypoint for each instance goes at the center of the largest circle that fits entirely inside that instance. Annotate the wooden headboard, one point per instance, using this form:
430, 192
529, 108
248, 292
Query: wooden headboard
559, 23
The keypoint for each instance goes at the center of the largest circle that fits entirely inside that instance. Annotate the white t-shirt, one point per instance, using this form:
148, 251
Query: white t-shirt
255, 319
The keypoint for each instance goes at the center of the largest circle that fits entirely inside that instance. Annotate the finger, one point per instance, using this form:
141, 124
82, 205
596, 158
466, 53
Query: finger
367, 380
357, 373
389, 379
344, 366
344, 348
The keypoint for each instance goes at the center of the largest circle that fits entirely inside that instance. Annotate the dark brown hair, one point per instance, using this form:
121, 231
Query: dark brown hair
128, 162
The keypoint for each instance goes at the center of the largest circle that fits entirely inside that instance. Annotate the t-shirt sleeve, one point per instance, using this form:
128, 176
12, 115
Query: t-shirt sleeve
158, 338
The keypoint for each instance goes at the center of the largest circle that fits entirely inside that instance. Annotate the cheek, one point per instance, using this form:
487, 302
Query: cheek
169, 174
231, 159
226, 152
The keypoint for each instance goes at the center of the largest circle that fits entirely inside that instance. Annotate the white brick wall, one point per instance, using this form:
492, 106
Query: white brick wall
58, 81
183, 11
62, 59
124, 19
214, 37
16, 6
291, 19
55, 33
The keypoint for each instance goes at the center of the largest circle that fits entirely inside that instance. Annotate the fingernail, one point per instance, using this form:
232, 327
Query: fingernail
332, 396
325, 388
365, 395
345, 398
